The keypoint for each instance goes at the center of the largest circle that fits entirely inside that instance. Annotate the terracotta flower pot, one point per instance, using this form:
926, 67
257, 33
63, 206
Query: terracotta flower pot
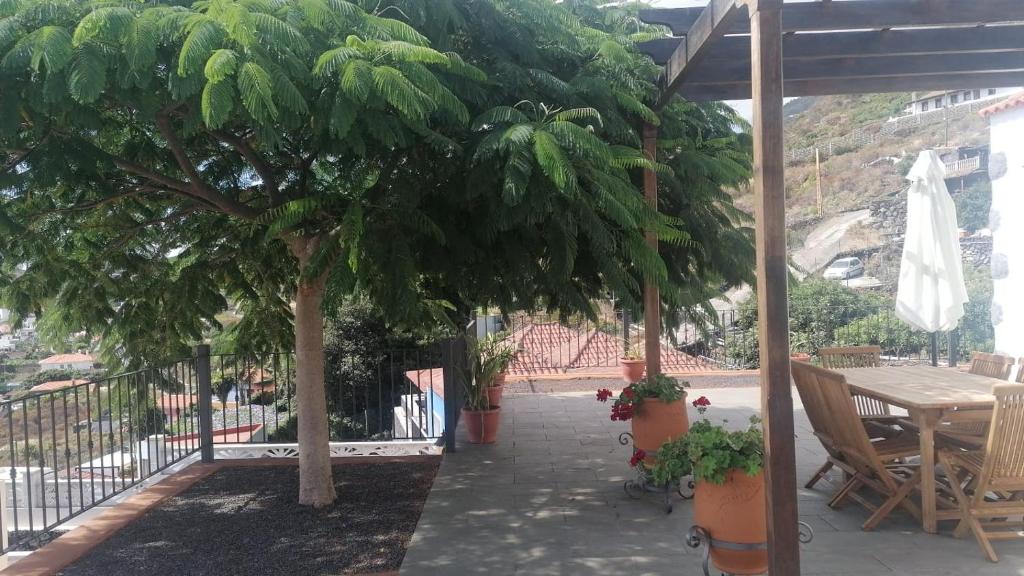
656, 422
633, 370
734, 512
482, 425
499, 380
494, 394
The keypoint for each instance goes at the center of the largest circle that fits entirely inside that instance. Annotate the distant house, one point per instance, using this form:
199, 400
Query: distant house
56, 385
67, 362
932, 101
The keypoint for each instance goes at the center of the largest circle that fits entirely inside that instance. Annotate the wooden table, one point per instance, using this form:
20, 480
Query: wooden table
927, 393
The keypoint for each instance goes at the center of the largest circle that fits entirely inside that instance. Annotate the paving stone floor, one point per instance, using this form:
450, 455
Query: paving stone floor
547, 499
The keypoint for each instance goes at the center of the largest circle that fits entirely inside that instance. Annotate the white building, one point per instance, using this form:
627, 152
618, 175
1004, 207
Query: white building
932, 101
67, 362
1006, 169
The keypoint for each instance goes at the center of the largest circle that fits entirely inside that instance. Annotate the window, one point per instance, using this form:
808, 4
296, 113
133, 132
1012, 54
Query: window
954, 99
967, 96
977, 94
991, 91
924, 106
938, 103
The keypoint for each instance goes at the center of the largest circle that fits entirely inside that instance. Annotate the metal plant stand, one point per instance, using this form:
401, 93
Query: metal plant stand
699, 537
644, 484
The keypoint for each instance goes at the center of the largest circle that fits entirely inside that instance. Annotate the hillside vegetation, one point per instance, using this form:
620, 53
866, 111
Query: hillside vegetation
852, 178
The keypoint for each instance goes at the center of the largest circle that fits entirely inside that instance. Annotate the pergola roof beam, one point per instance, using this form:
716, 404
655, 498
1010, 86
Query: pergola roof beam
858, 15
881, 43
870, 85
709, 27
725, 70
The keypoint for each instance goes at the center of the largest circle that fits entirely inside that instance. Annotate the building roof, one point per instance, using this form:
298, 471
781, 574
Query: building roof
930, 95
428, 379
66, 359
169, 402
1015, 101
55, 385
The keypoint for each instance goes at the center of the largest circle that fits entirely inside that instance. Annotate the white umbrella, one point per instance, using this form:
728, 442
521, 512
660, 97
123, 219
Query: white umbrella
931, 293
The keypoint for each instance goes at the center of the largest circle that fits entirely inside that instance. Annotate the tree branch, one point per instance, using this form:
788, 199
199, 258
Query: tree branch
198, 187
260, 164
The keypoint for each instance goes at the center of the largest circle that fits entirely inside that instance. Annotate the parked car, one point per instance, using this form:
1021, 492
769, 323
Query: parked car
845, 268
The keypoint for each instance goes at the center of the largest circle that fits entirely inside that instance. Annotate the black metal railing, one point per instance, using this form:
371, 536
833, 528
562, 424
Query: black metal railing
729, 340
67, 447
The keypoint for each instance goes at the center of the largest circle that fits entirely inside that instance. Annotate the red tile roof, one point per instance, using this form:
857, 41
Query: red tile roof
1015, 101
66, 359
432, 379
54, 385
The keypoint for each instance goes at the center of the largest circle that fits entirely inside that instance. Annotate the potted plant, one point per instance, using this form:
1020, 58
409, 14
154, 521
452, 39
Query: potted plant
633, 363
655, 408
493, 358
481, 417
798, 342
729, 498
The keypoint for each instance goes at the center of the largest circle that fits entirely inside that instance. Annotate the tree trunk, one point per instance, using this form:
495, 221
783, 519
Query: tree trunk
316, 482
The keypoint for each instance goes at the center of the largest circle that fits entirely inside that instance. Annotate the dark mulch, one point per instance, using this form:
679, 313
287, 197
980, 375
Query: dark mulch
247, 521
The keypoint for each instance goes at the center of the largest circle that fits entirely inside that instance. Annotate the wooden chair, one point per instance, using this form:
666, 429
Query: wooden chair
996, 474
991, 365
872, 465
857, 357
971, 435
822, 422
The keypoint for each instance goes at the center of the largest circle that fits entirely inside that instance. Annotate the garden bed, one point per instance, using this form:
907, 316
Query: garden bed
245, 520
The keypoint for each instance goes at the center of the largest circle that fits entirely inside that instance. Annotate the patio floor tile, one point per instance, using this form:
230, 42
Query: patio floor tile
548, 499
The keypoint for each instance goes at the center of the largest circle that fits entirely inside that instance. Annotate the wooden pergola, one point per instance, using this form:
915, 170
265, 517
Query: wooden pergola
767, 50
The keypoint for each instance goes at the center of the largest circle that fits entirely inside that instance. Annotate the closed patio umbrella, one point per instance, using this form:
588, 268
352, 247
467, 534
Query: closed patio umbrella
931, 293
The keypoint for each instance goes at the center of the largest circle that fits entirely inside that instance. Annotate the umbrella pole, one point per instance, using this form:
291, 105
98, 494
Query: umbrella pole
935, 348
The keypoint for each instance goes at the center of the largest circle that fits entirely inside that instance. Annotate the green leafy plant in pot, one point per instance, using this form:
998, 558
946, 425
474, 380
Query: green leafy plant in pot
729, 498
493, 357
656, 410
633, 362
481, 417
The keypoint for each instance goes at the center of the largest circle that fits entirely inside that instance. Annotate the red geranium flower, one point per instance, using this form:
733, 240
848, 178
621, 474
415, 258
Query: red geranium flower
628, 392
604, 394
702, 402
638, 457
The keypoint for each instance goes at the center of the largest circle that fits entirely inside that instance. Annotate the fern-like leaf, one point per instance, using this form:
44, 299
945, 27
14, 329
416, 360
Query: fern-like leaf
88, 73
221, 64
203, 38
217, 102
256, 90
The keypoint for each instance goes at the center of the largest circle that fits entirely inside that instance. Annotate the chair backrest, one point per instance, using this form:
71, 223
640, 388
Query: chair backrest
814, 404
851, 357
856, 357
1004, 463
845, 426
991, 365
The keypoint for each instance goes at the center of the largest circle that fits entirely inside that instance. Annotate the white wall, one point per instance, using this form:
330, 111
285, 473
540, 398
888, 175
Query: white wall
1007, 231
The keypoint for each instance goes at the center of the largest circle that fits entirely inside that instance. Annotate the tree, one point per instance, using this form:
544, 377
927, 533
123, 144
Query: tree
162, 160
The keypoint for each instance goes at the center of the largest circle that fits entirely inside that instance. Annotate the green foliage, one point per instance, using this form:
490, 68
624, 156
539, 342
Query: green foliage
894, 336
973, 205
661, 387
164, 160
490, 358
709, 452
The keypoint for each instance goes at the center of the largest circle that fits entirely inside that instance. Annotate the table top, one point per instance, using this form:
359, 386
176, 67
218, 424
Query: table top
922, 387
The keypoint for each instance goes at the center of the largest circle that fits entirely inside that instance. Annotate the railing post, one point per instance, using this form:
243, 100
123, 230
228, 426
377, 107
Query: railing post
451, 351
202, 355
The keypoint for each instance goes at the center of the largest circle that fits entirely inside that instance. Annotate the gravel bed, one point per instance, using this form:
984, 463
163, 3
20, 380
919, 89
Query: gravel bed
246, 521
542, 386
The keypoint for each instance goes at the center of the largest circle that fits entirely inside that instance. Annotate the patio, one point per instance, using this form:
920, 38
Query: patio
548, 499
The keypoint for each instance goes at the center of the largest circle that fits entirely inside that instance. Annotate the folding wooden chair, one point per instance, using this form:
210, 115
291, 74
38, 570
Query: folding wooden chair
872, 465
857, 357
972, 433
807, 378
995, 475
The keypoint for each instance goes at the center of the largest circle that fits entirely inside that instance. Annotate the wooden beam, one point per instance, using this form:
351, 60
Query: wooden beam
880, 43
864, 15
724, 71
772, 292
709, 27
826, 87
652, 297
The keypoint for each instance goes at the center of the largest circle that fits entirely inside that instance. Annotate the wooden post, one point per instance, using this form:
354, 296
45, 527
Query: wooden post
652, 300
817, 169
772, 276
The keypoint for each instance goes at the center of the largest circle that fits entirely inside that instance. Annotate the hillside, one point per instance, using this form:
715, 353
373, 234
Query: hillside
863, 161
